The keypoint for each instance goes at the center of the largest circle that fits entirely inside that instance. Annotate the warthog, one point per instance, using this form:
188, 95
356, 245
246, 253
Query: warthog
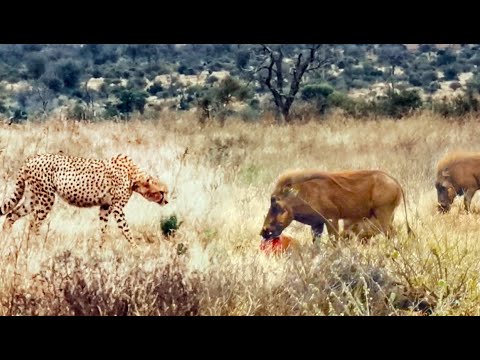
458, 173
318, 198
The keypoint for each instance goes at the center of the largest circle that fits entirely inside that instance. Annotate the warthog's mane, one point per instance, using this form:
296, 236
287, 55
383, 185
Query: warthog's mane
455, 157
292, 177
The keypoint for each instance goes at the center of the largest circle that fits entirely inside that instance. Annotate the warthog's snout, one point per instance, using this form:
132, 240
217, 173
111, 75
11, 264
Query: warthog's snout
268, 234
443, 208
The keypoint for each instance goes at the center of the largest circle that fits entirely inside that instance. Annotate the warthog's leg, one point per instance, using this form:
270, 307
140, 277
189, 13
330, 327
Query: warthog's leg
317, 231
355, 228
467, 199
384, 217
333, 229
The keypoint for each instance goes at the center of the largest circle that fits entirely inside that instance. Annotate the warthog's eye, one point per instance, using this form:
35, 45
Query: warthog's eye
277, 210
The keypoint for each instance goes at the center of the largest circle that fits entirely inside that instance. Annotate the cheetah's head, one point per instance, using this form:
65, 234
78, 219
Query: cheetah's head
152, 189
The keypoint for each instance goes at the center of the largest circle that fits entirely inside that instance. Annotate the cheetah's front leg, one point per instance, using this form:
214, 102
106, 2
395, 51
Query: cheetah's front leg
105, 211
122, 223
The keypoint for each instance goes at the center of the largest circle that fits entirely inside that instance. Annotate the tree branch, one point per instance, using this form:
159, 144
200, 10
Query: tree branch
268, 81
319, 64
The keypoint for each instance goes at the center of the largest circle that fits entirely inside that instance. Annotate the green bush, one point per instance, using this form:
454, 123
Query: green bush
428, 76
242, 59
155, 88
415, 80
433, 87
249, 114
450, 73
131, 100
184, 70
170, 225
36, 66
110, 111
212, 79
400, 104
445, 57
69, 72
19, 115
473, 84
96, 74
359, 84
316, 91
425, 48
184, 104
229, 88
77, 112
458, 106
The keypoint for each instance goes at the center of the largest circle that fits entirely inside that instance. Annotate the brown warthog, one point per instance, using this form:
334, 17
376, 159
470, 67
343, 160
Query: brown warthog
318, 198
458, 173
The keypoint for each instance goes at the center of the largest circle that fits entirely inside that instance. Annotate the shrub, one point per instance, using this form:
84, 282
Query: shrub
445, 57
249, 114
96, 74
69, 72
72, 286
316, 91
212, 79
36, 66
450, 73
170, 225
458, 106
19, 115
53, 83
400, 104
455, 85
359, 84
155, 88
131, 100
415, 80
243, 57
77, 112
433, 87
428, 76
110, 110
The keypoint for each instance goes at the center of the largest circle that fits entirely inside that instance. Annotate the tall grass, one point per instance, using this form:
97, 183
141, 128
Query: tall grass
212, 265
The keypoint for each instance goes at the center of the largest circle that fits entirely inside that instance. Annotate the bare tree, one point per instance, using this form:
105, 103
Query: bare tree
44, 95
394, 56
89, 100
282, 69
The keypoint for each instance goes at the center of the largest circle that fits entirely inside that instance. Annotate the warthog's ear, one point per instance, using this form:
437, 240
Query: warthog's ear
445, 173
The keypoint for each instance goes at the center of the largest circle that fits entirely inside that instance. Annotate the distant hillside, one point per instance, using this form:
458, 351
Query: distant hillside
40, 79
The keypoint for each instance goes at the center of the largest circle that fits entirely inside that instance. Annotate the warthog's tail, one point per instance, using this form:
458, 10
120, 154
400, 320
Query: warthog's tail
409, 229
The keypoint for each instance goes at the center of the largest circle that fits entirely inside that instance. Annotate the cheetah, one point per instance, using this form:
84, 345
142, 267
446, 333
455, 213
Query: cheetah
81, 182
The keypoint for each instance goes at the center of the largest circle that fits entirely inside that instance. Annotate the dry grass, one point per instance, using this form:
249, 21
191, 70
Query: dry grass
223, 189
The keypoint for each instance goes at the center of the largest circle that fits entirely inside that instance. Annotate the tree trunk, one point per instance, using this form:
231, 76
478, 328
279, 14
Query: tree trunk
286, 114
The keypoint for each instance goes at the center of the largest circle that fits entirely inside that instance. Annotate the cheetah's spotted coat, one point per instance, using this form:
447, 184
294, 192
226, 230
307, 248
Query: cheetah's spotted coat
80, 182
